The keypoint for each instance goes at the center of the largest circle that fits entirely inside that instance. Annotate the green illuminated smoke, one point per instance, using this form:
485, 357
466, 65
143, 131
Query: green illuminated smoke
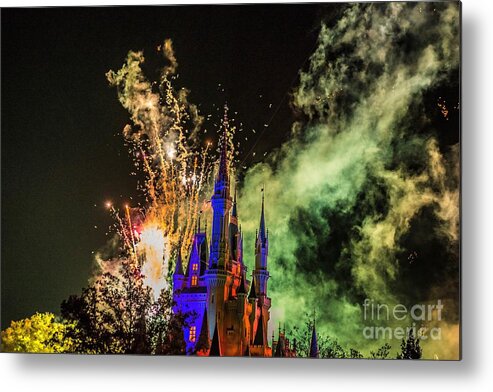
366, 179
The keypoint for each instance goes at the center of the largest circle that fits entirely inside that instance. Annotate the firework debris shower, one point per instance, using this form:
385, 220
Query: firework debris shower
164, 142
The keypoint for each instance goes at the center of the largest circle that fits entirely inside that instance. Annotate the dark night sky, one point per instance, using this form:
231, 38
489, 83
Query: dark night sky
61, 148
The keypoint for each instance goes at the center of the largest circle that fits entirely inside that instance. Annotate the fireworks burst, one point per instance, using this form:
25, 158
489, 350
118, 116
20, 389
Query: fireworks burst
164, 143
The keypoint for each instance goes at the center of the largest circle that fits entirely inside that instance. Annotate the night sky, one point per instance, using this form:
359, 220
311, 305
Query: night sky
62, 151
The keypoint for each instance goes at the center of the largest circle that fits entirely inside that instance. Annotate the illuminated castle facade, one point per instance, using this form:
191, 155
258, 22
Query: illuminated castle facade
227, 314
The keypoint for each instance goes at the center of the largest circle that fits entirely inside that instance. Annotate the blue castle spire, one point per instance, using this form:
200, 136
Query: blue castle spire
234, 212
262, 234
262, 241
221, 203
221, 186
314, 343
221, 305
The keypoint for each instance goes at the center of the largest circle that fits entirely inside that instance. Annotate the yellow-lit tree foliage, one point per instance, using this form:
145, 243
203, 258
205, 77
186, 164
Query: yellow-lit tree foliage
40, 333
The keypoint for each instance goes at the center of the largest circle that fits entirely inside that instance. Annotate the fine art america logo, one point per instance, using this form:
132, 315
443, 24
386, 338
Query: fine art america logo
419, 314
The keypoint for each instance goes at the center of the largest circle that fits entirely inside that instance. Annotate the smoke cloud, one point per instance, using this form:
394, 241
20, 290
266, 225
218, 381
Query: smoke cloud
363, 201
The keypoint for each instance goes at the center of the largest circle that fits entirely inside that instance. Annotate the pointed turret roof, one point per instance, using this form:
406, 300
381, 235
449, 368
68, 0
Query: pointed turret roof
179, 264
215, 345
259, 336
242, 287
253, 293
234, 211
314, 343
233, 231
198, 253
240, 247
279, 353
262, 232
203, 342
187, 272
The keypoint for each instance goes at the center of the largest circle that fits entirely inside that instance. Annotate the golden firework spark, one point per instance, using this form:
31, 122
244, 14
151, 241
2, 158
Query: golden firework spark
162, 139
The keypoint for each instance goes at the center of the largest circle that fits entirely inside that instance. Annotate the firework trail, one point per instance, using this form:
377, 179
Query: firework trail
163, 141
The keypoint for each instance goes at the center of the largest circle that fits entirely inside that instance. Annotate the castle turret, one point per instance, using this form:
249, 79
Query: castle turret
216, 276
221, 204
178, 276
221, 306
259, 334
261, 252
241, 292
261, 275
197, 261
203, 343
215, 350
253, 291
234, 233
314, 343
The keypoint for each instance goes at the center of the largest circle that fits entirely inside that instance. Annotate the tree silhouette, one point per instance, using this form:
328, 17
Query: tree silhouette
328, 347
382, 353
117, 314
410, 348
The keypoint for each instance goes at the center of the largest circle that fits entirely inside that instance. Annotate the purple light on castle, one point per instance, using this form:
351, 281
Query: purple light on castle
215, 290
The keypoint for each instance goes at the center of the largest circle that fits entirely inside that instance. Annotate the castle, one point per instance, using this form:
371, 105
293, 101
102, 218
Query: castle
228, 314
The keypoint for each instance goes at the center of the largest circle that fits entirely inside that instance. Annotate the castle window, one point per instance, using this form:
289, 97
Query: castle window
195, 267
194, 280
193, 332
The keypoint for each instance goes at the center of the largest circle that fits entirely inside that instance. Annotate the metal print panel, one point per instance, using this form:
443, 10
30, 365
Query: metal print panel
245, 180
